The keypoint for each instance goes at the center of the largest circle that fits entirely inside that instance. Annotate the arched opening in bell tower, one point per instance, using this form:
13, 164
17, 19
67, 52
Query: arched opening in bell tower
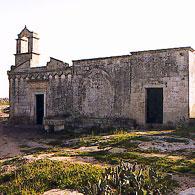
24, 45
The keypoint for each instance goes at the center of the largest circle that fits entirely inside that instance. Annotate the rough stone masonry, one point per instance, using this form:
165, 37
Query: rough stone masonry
155, 87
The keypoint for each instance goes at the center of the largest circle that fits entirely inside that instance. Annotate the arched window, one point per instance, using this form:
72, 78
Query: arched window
24, 45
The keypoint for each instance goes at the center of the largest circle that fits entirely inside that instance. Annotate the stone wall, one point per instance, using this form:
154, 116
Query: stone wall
101, 87
24, 85
116, 86
59, 95
191, 85
167, 69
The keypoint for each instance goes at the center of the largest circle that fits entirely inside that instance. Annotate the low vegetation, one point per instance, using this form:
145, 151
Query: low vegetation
131, 179
119, 139
185, 132
4, 101
162, 163
42, 175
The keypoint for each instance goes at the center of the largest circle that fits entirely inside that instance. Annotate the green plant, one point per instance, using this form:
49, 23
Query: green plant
42, 175
182, 169
165, 164
142, 138
119, 131
4, 102
130, 179
174, 139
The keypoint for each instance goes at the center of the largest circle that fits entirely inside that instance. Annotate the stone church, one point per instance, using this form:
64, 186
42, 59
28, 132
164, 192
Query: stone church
155, 87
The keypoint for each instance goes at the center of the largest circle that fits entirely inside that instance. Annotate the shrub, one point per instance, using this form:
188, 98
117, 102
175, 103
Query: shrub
130, 179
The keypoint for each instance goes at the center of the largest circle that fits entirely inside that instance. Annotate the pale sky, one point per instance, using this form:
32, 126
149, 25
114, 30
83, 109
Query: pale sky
77, 29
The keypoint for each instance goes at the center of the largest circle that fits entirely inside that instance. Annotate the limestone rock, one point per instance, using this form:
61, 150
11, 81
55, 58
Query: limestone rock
190, 191
62, 192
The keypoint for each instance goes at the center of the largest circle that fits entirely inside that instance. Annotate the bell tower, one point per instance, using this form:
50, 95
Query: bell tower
27, 48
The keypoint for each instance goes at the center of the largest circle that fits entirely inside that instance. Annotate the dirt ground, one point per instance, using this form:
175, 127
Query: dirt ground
12, 138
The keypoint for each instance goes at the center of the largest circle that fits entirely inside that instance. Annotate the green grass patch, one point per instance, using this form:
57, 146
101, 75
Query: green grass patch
163, 163
44, 175
61, 154
119, 138
37, 150
187, 132
12, 161
174, 139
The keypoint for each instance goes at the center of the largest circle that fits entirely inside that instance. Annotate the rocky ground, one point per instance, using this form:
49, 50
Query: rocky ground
31, 144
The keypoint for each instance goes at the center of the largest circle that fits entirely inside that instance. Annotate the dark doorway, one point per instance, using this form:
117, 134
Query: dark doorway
39, 108
154, 106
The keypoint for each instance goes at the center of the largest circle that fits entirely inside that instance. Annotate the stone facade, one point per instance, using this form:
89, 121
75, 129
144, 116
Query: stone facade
110, 91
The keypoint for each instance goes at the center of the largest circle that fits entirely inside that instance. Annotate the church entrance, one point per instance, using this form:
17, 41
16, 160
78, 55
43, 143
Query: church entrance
154, 105
39, 109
